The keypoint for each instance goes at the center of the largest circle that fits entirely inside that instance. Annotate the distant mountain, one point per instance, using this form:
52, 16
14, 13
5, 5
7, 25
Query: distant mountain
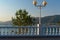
51, 19
45, 20
6, 23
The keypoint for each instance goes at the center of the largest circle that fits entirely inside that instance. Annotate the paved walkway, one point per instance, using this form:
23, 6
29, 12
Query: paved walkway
30, 38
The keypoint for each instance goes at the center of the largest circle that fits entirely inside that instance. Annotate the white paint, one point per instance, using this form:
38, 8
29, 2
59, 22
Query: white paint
38, 29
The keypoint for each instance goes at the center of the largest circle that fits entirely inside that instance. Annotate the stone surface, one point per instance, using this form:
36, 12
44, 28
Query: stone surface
30, 38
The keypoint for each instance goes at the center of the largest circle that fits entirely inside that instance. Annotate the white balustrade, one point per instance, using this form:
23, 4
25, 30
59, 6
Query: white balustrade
15, 31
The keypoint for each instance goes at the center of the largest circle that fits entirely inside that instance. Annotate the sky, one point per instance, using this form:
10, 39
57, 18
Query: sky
8, 8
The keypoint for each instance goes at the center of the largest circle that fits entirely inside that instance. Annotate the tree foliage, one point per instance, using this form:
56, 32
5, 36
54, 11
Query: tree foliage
22, 18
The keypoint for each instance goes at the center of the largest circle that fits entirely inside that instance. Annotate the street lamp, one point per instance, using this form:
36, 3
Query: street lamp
40, 6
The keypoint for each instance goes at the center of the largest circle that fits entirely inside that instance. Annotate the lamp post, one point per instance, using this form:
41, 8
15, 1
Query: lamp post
40, 6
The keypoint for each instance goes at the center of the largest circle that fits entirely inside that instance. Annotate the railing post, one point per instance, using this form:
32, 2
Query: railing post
38, 29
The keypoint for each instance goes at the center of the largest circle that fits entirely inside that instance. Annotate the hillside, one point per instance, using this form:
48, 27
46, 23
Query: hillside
45, 20
51, 19
6, 23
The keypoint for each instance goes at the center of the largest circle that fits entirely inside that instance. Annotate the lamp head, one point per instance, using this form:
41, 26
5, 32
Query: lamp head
35, 2
44, 3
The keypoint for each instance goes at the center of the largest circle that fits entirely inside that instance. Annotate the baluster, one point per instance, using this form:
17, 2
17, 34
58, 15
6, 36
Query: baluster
59, 31
5, 31
35, 30
53, 31
46, 31
31, 30
21, 31
0, 31
50, 31
24, 31
17, 31
27, 31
